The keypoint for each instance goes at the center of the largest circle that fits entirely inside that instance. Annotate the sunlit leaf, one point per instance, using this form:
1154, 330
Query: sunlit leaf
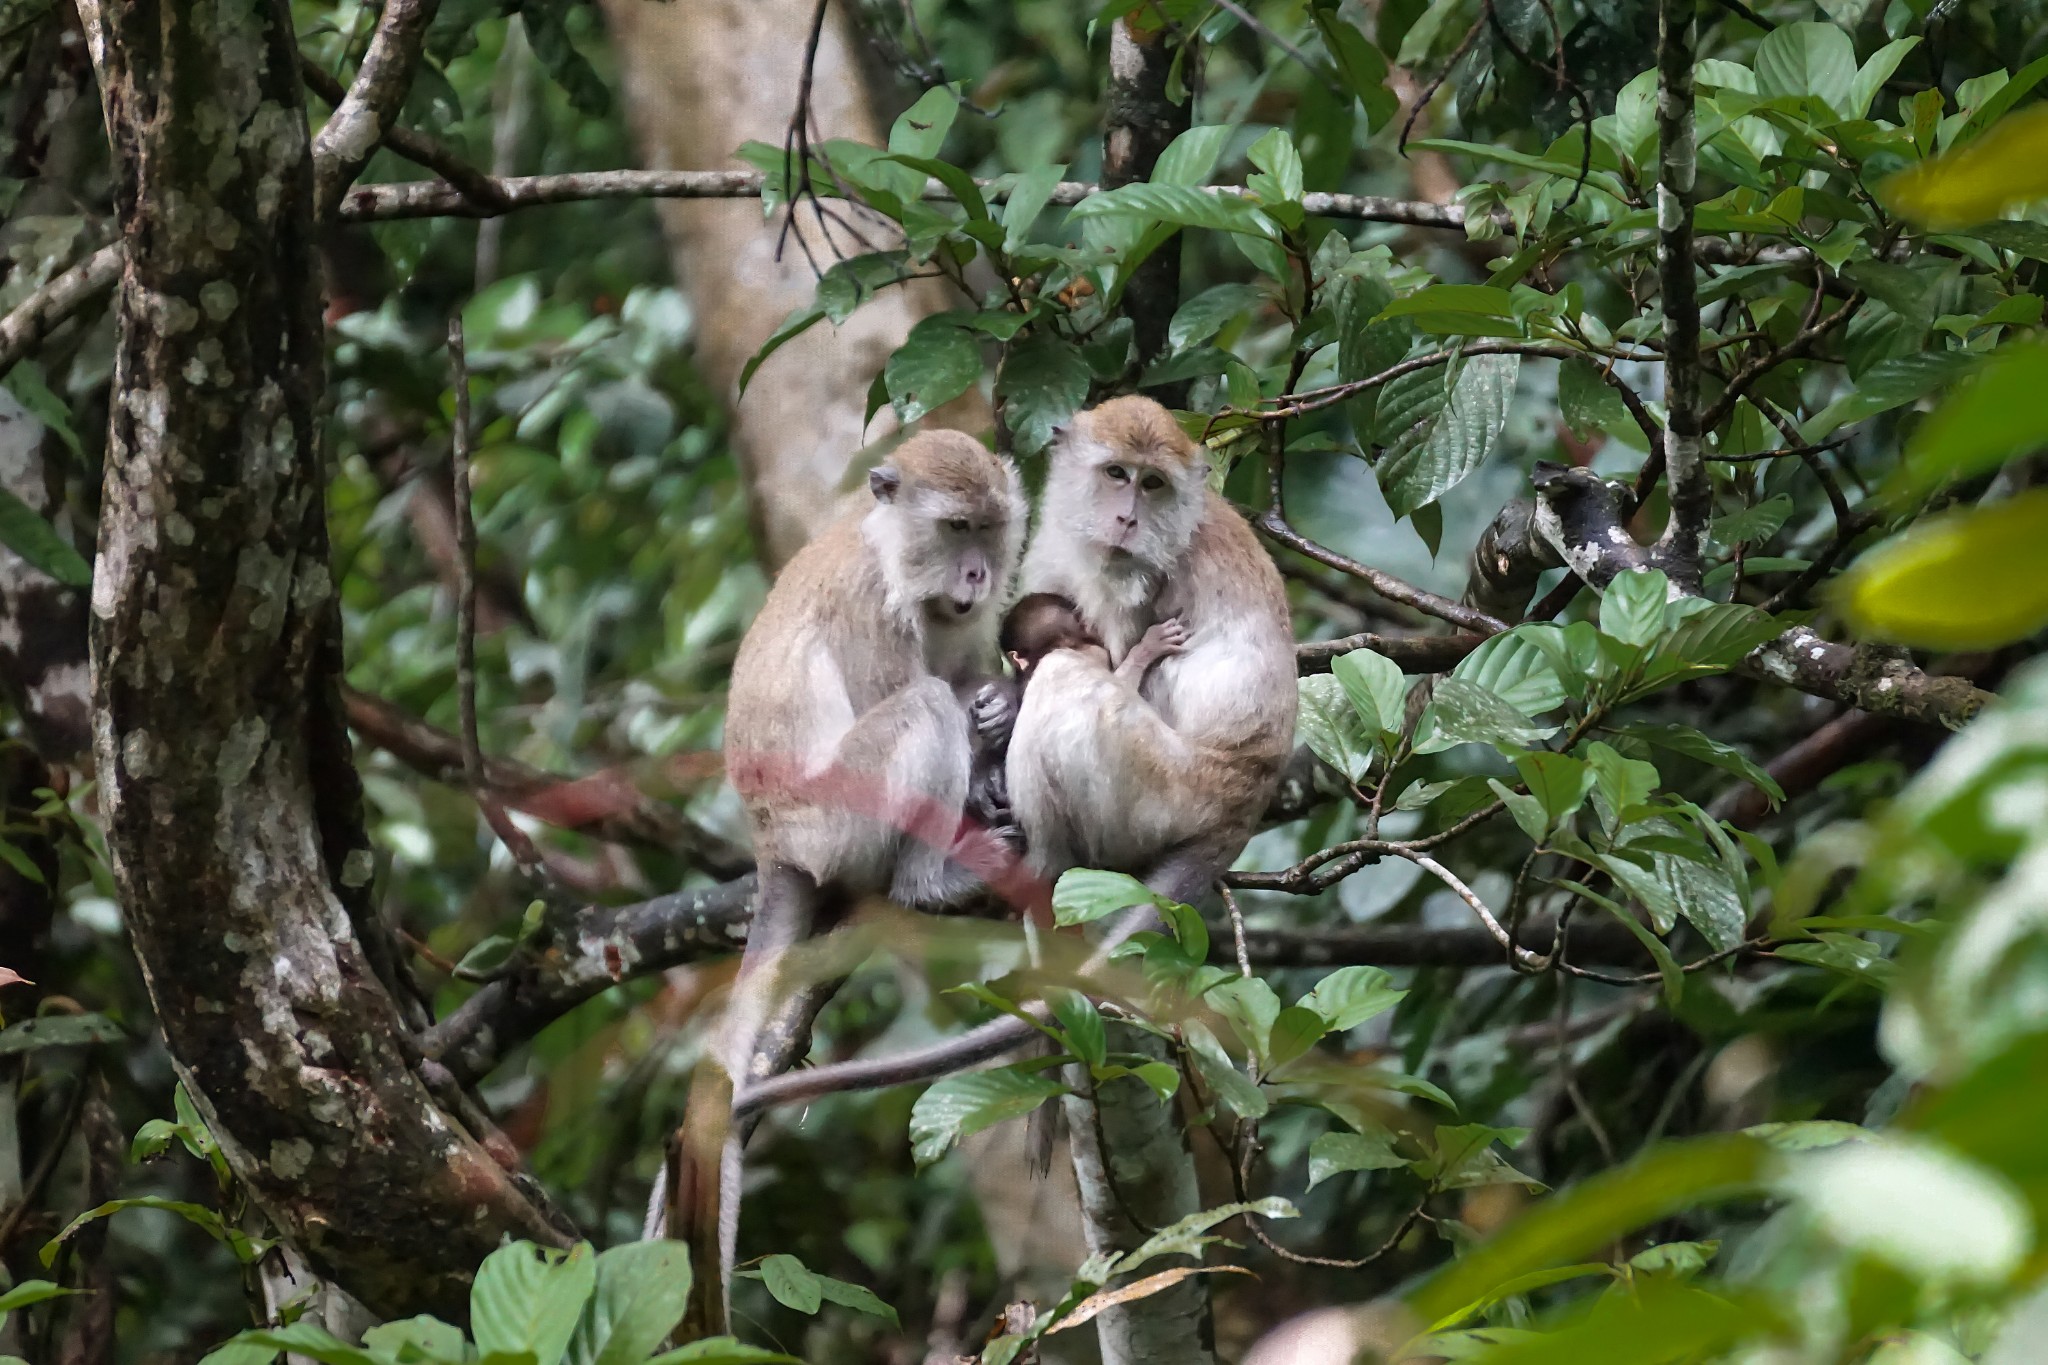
1927, 587
1436, 438
1336, 1153
529, 1299
959, 1106
1979, 180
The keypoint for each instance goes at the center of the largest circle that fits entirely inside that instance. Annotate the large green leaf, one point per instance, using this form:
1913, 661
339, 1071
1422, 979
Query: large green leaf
960, 1105
1977, 181
937, 362
1808, 59
1176, 205
1515, 666
419, 1338
1376, 688
1086, 894
1190, 159
642, 1291
1928, 587
1349, 996
1436, 437
1336, 1153
1043, 382
1986, 422
1202, 316
1466, 713
920, 130
1331, 726
529, 1299
1632, 608
1594, 1213
1026, 202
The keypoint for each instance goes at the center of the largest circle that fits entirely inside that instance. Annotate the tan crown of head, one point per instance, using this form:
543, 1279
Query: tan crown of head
1140, 427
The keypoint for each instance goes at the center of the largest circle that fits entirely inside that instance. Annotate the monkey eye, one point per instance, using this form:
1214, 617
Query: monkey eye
1152, 483
1117, 473
957, 524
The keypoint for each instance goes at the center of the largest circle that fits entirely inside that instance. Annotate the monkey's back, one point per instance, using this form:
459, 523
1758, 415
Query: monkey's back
823, 650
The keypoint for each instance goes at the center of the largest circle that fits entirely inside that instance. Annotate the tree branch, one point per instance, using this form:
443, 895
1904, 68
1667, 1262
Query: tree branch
38, 315
603, 947
1414, 653
1380, 581
416, 147
1692, 494
360, 123
616, 810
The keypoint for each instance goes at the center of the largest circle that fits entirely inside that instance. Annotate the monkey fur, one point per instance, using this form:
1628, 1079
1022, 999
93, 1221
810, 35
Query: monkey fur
1165, 779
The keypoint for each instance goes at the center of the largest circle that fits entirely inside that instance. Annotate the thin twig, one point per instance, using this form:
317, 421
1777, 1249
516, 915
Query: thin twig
416, 147
1690, 487
1244, 959
370, 107
1385, 584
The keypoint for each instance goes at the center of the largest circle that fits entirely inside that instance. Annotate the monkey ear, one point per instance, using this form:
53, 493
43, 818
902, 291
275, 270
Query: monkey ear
883, 481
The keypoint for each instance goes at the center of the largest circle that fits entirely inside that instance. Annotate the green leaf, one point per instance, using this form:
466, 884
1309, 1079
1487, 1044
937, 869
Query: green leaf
1754, 524
30, 1292
1330, 725
1176, 205
1028, 196
58, 1030
1376, 689
1250, 1006
792, 1284
1515, 667
2003, 99
1808, 59
1466, 713
1084, 895
1080, 1024
1457, 310
1440, 438
1202, 316
921, 129
962, 1105
722, 1351
1926, 587
529, 1299
1559, 782
1711, 751
1875, 72
1632, 608
301, 1339
1043, 382
1667, 966
1349, 996
1807, 1135
547, 32
1295, 1030
25, 381
1276, 155
1336, 1153
1528, 813
859, 1298
1979, 180
419, 1338
1597, 1211
1988, 421
1589, 404
937, 362
35, 540
1463, 1158
1185, 1238
642, 1291
799, 321
1190, 159
1621, 782
1230, 1086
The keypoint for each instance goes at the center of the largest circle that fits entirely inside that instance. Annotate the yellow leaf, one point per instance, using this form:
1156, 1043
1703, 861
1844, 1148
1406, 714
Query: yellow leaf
1975, 579
1980, 180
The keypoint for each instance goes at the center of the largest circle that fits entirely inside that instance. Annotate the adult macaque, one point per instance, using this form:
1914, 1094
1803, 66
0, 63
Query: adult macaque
1165, 780
847, 739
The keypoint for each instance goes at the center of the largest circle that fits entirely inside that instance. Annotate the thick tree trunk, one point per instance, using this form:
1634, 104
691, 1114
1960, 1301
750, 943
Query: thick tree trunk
701, 78
231, 806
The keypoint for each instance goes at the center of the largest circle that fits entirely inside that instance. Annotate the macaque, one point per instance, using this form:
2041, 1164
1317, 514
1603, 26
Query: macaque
1036, 626
848, 740
1165, 778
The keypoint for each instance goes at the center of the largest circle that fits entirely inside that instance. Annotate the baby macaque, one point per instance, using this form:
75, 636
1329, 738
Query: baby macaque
1036, 626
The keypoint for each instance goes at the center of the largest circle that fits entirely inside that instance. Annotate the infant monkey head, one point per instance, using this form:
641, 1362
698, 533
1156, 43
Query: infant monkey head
1039, 624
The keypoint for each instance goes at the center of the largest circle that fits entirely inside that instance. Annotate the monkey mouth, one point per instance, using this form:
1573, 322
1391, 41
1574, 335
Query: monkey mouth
962, 605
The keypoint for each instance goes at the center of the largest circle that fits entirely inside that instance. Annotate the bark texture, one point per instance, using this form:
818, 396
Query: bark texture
232, 809
701, 78
1137, 1176
1142, 122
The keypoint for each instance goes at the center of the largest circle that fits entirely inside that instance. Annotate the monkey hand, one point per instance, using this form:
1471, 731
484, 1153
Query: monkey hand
1167, 638
994, 712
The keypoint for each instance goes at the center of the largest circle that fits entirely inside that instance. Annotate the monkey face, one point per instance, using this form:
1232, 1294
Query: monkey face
1128, 482
948, 516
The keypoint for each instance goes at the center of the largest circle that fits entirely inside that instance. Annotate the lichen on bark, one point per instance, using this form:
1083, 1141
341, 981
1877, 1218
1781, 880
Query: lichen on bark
230, 800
